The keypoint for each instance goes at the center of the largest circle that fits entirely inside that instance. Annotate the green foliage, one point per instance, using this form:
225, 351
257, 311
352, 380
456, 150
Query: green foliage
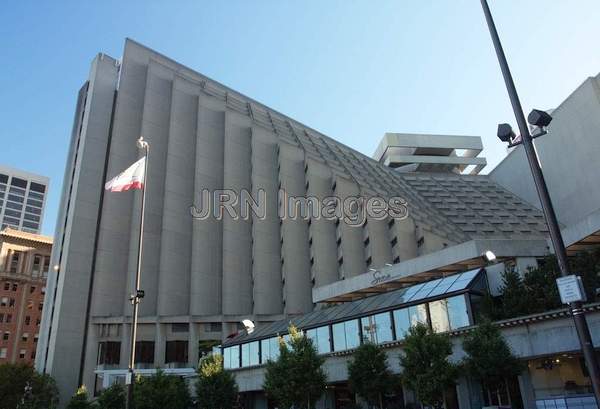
491, 308
205, 346
161, 391
14, 378
514, 294
587, 265
369, 375
488, 356
112, 397
80, 400
541, 288
215, 388
537, 291
427, 370
296, 378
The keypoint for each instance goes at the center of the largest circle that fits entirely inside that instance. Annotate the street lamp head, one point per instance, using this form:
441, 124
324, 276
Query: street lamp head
489, 256
505, 132
539, 118
249, 325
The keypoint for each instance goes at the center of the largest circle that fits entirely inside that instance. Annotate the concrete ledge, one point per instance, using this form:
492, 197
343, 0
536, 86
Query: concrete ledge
450, 260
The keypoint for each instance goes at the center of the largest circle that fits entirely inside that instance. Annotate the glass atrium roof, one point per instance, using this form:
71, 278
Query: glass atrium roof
415, 294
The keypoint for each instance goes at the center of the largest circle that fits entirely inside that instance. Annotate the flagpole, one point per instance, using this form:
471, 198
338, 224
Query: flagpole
139, 294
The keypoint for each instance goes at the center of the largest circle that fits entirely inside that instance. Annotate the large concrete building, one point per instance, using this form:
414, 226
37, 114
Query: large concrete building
22, 199
202, 277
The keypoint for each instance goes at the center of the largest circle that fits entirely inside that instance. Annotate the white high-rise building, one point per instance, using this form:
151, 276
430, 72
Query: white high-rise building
22, 199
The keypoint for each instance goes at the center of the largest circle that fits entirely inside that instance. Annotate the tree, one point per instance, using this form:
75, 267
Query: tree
587, 264
112, 397
80, 400
514, 294
427, 370
488, 356
215, 388
369, 375
490, 309
542, 291
296, 378
161, 391
21, 385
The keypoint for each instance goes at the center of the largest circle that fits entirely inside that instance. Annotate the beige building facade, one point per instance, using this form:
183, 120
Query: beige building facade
24, 265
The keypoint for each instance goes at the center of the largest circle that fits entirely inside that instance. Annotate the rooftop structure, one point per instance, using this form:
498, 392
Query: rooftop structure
431, 153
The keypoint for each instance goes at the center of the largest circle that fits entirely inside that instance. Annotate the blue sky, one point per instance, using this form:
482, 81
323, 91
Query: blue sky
351, 69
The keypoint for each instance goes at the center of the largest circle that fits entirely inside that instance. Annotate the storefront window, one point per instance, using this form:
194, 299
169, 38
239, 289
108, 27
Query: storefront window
269, 349
245, 355
320, 338
457, 312
377, 328
417, 314
250, 354
254, 358
231, 358
407, 317
438, 311
345, 335
402, 323
274, 347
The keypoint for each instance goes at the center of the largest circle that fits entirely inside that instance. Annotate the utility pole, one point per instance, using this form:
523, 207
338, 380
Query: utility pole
583, 331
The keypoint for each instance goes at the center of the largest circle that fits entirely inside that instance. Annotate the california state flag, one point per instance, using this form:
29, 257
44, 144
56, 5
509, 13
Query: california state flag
131, 178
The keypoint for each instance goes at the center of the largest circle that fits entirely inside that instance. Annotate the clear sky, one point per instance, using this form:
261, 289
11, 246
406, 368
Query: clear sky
350, 69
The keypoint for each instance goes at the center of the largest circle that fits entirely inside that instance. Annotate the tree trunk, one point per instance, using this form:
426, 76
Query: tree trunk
380, 401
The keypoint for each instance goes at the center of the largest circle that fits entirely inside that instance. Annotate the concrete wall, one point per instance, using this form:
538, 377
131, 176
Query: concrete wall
568, 154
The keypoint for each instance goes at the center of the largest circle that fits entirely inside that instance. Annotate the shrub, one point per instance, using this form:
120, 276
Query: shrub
296, 378
426, 368
80, 400
488, 356
161, 391
42, 392
369, 375
215, 388
112, 398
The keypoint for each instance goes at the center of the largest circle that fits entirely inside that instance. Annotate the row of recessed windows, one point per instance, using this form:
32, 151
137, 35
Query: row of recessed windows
15, 286
176, 353
442, 315
21, 184
24, 336
22, 353
41, 264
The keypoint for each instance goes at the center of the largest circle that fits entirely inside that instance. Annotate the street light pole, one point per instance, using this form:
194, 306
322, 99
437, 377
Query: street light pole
583, 331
